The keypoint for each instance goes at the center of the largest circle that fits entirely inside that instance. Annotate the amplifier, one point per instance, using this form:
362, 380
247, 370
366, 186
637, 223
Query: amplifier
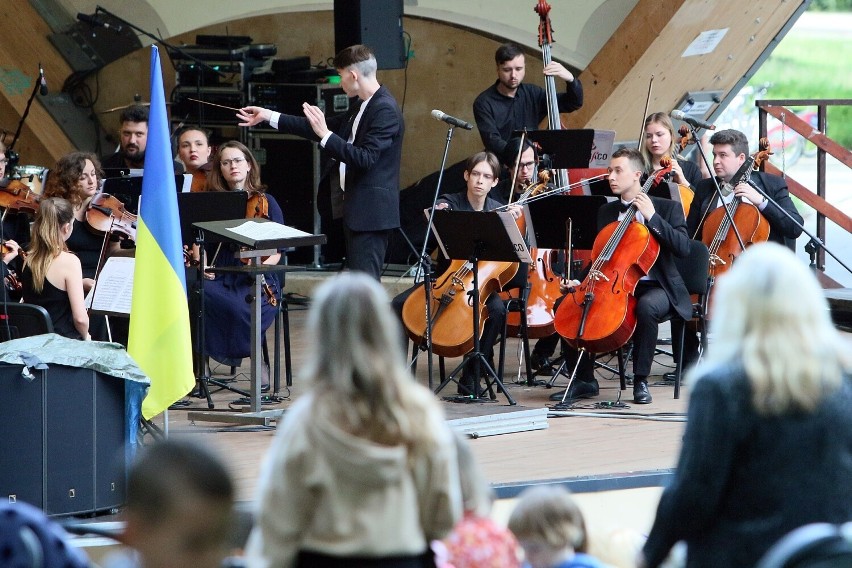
287, 98
215, 74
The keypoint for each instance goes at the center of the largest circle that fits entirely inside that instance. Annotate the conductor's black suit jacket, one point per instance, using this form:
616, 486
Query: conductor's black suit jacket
371, 199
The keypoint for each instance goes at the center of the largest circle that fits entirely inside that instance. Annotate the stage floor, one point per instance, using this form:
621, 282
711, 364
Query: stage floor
590, 448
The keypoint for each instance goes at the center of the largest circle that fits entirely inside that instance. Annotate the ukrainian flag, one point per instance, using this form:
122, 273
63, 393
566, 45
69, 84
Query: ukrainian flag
159, 339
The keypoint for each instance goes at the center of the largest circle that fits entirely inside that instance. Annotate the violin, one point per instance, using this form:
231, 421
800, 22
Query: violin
752, 226
199, 177
106, 214
10, 280
15, 195
257, 206
600, 314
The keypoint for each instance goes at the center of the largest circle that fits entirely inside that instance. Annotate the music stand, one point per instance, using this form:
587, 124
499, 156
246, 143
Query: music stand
262, 238
129, 189
475, 236
195, 208
567, 148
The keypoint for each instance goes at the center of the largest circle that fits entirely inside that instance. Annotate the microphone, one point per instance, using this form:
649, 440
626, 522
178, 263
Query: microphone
96, 22
694, 122
438, 115
42, 80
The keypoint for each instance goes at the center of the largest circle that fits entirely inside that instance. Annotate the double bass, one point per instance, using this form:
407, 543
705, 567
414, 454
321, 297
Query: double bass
599, 315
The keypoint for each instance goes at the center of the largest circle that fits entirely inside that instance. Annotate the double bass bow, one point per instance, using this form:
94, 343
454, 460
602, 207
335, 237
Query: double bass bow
599, 315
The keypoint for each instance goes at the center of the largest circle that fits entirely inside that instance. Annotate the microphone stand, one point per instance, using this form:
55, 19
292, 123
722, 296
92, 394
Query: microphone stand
425, 263
814, 239
11, 154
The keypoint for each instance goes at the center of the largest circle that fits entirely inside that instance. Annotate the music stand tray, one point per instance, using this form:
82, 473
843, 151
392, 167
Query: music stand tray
546, 222
263, 238
477, 236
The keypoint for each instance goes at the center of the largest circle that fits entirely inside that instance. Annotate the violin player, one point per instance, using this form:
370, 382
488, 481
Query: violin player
661, 294
661, 140
365, 145
133, 139
481, 175
730, 150
194, 152
16, 225
227, 316
510, 104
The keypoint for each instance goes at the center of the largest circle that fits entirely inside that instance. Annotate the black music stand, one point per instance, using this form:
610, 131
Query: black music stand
264, 238
129, 189
195, 208
566, 148
475, 236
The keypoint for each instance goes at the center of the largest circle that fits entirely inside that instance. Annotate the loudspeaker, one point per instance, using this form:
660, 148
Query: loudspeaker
88, 48
374, 23
62, 439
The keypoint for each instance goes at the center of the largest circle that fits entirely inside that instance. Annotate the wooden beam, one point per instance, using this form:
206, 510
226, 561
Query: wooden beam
810, 133
24, 46
818, 203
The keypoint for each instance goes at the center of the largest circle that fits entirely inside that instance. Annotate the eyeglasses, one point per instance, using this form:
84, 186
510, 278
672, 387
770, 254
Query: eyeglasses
525, 165
235, 161
485, 176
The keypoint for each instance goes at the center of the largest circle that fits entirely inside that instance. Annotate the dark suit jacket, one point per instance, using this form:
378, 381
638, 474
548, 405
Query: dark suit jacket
782, 230
371, 199
668, 227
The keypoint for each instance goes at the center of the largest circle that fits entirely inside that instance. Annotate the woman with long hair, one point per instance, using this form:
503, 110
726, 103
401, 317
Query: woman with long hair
52, 277
768, 442
660, 140
194, 150
227, 316
363, 467
76, 178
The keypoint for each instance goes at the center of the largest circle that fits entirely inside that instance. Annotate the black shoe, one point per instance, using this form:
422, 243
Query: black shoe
540, 363
640, 393
465, 386
579, 389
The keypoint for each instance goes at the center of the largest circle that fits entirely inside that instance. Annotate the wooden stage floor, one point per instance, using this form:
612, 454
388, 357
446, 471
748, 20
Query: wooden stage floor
588, 448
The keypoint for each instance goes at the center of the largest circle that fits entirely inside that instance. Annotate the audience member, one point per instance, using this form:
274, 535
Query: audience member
179, 509
363, 469
550, 527
477, 541
768, 442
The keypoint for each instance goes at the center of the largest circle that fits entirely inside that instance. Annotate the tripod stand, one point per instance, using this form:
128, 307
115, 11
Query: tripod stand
479, 236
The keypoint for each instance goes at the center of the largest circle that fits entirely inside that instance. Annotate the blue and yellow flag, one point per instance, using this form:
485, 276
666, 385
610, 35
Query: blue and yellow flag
159, 340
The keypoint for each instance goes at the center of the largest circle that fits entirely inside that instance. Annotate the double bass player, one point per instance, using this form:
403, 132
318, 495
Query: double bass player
662, 294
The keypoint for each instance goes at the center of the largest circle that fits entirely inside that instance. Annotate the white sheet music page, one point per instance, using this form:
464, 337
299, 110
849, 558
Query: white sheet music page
113, 292
267, 231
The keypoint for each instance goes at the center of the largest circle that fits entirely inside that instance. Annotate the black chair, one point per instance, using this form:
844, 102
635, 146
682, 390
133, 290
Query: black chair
818, 545
23, 320
695, 271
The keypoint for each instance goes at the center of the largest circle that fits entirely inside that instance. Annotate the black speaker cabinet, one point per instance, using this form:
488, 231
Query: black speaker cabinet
374, 23
62, 439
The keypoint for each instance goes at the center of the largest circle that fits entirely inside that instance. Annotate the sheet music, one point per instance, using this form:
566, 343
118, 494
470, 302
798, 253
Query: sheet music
267, 231
515, 235
113, 293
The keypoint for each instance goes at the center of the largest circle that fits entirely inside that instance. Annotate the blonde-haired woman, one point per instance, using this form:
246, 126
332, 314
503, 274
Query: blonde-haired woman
660, 141
52, 277
768, 443
363, 468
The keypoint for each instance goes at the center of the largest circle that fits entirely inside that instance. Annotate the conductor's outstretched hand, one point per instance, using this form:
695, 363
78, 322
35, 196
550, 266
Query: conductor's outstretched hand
252, 115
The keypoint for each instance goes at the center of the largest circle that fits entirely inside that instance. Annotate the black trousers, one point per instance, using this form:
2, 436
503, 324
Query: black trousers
365, 250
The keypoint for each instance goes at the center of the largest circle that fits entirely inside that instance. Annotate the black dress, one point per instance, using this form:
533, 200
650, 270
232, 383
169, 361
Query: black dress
52, 299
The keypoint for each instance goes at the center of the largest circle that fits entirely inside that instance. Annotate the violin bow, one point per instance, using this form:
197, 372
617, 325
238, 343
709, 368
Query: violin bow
644, 114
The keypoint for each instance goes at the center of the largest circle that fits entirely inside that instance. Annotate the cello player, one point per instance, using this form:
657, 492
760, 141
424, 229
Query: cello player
730, 149
481, 173
662, 294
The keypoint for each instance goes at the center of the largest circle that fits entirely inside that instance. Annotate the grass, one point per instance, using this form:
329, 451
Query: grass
804, 66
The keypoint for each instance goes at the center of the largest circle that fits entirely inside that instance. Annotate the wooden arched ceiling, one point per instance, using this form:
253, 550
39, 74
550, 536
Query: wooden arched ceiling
616, 45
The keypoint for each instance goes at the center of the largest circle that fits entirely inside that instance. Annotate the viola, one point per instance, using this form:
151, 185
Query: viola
600, 314
752, 226
257, 206
106, 214
15, 195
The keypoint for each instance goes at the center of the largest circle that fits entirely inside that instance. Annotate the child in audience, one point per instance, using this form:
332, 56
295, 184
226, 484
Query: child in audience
550, 527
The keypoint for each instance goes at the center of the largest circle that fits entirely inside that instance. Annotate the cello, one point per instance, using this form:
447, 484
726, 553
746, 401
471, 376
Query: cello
752, 226
599, 315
